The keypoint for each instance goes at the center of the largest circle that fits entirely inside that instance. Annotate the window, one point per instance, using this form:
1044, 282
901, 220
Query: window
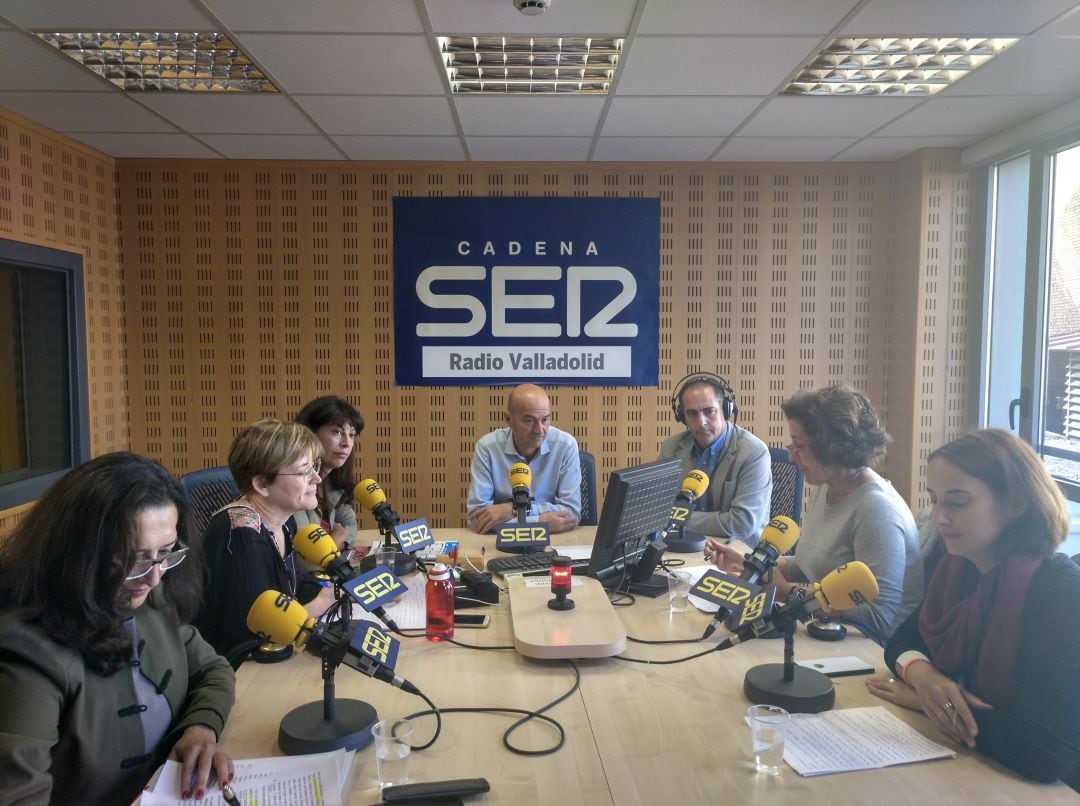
1031, 372
43, 401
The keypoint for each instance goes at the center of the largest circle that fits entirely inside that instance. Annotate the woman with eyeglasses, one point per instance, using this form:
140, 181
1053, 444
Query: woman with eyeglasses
101, 676
337, 425
853, 513
992, 655
248, 544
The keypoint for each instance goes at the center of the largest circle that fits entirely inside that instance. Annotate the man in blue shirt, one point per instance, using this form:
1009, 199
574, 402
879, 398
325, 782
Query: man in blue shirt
552, 457
736, 505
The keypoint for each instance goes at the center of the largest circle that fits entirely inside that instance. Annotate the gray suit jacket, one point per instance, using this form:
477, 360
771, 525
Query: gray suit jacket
736, 505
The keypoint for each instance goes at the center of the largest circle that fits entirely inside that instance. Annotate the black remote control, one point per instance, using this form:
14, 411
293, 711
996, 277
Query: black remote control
435, 789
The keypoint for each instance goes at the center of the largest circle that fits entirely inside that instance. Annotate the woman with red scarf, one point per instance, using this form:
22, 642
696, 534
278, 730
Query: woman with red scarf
992, 655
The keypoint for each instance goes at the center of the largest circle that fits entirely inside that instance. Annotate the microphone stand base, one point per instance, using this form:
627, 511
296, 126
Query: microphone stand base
808, 693
686, 543
306, 730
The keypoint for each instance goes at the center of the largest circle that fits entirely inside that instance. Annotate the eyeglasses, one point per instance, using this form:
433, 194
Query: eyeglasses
316, 466
143, 567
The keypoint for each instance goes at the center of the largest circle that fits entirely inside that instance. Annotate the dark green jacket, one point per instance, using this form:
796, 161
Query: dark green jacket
70, 735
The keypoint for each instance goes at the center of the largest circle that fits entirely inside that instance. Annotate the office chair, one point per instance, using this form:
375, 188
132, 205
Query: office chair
588, 489
207, 491
787, 486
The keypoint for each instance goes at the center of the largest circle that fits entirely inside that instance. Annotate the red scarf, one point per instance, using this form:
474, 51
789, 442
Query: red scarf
963, 607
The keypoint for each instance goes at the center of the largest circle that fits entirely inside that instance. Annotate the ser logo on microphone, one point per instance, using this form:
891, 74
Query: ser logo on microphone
374, 588
744, 600
373, 641
414, 535
678, 514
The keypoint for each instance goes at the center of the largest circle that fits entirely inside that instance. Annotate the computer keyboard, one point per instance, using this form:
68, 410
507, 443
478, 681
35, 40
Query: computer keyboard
531, 564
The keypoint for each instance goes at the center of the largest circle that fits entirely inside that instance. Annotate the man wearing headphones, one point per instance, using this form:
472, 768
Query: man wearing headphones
553, 460
736, 504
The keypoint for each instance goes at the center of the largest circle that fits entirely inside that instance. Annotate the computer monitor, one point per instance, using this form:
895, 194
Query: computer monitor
637, 505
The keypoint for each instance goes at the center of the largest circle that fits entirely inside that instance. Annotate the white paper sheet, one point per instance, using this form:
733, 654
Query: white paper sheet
701, 603
855, 739
409, 611
311, 780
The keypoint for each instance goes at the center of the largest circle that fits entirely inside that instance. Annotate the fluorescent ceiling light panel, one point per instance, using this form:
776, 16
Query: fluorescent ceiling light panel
895, 66
575, 65
169, 61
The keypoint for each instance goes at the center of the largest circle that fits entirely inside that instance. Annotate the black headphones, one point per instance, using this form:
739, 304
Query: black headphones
723, 389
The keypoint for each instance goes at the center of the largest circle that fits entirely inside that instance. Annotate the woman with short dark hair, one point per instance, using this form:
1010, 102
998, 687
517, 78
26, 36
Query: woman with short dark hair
853, 513
992, 656
337, 425
101, 676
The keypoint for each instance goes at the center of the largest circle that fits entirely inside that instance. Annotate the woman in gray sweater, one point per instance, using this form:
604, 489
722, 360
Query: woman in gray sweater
853, 513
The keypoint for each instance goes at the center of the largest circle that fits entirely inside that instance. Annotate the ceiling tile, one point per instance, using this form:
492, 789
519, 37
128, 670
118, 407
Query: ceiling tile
150, 146
530, 149
379, 114
348, 63
26, 64
878, 149
107, 15
228, 113
655, 149
1048, 65
499, 16
445, 149
272, 147
339, 16
825, 117
743, 16
84, 112
528, 115
967, 116
694, 65
701, 117
953, 17
782, 149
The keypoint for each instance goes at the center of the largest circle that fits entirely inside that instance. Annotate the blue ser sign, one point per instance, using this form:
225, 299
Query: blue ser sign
503, 290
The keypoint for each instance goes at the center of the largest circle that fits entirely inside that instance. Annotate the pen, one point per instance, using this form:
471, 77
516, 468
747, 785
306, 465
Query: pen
229, 795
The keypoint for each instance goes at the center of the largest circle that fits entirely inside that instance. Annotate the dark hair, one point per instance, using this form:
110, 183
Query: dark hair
1020, 483
64, 566
841, 424
333, 410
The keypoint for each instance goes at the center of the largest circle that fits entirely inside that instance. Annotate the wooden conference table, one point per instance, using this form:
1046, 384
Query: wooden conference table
635, 733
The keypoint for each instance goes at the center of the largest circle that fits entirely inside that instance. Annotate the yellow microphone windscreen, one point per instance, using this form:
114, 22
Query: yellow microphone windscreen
279, 618
315, 545
695, 483
520, 476
782, 533
848, 586
369, 494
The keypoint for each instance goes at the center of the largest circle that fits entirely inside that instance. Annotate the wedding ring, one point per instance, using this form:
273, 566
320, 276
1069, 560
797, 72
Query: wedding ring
949, 705
892, 679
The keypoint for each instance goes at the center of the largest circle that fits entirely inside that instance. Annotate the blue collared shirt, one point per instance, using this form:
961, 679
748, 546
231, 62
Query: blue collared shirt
556, 472
706, 459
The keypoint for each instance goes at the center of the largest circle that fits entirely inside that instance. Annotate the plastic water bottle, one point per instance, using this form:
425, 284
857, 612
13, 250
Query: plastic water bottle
440, 603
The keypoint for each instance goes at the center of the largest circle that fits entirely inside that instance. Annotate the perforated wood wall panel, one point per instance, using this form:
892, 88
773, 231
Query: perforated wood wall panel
256, 286
55, 192
246, 288
931, 310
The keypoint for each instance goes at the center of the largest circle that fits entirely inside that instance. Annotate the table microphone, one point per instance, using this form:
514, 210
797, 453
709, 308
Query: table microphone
520, 485
372, 498
279, 618
850, 585
318, 548
777, 538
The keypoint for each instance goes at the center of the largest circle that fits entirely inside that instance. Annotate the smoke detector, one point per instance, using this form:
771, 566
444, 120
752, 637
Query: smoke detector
532, 7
